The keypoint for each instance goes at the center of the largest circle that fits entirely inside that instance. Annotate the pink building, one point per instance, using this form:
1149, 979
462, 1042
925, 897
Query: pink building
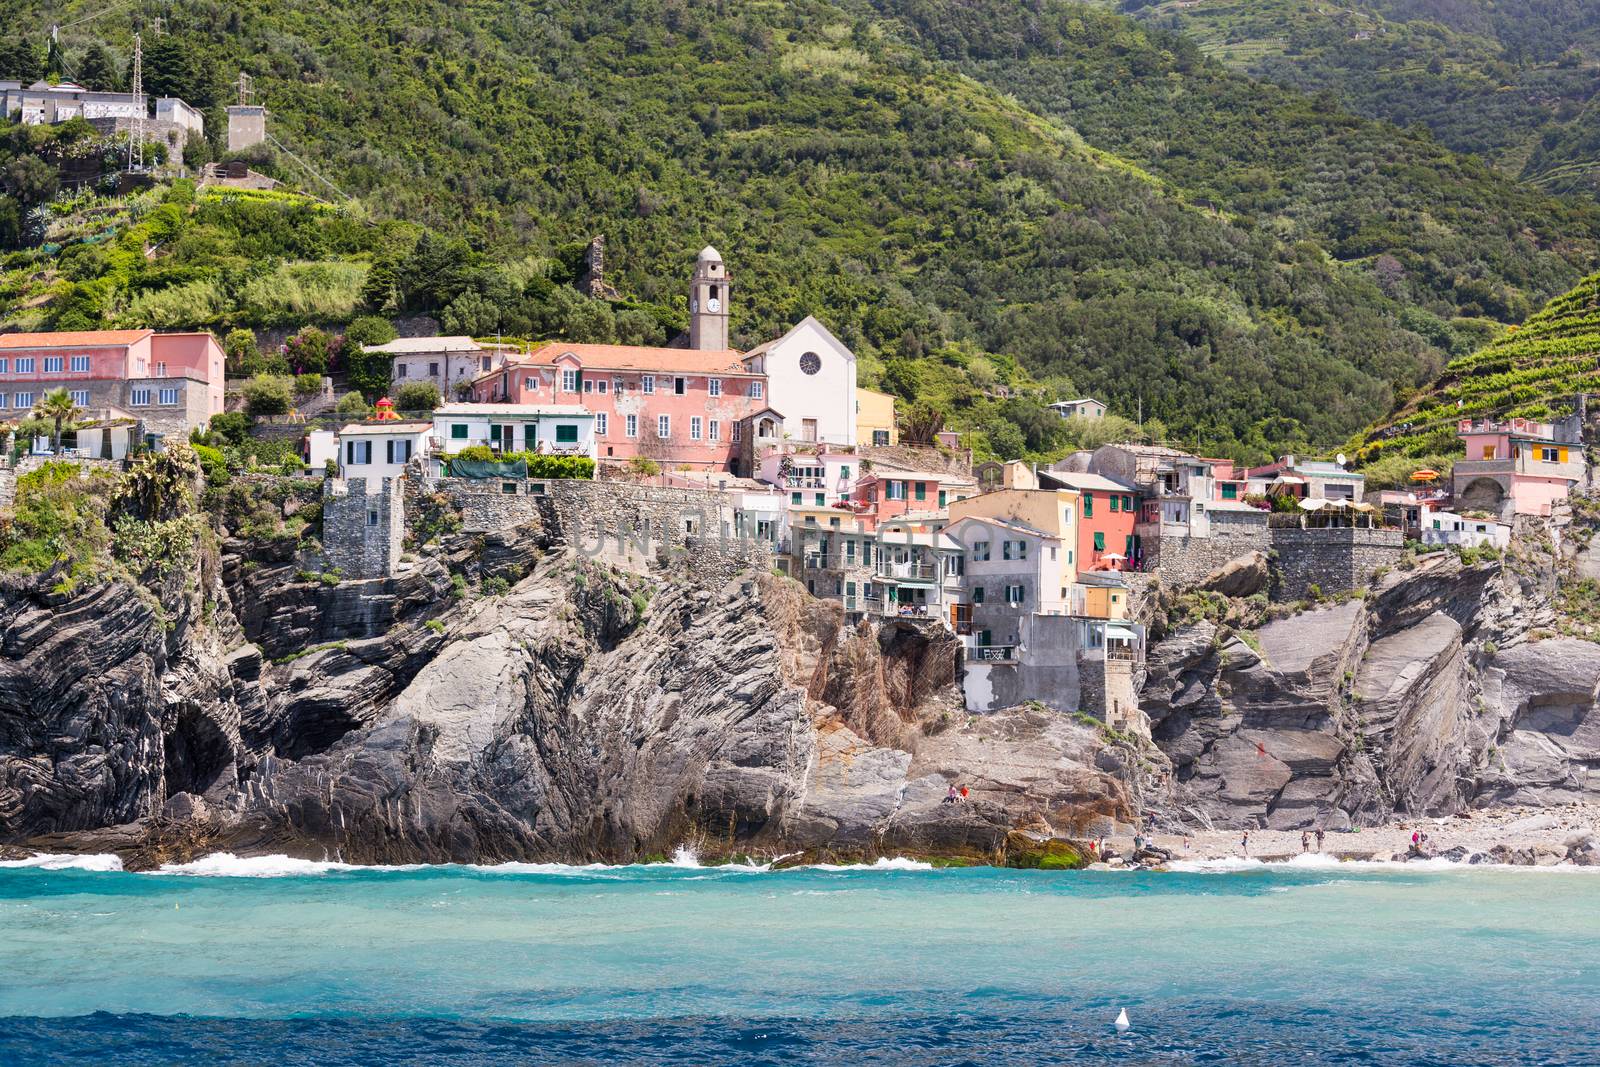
884, 494
172, 382
1228, 480
1517, 466
676, 406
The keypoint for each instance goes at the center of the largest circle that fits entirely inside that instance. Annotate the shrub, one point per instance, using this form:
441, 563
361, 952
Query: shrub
213, 462
353, 406
57, 517
496, 586
267, 394
307, 384
644, 467
420, 397
240, 345
477, 453
436, 625
231, 427
310, 351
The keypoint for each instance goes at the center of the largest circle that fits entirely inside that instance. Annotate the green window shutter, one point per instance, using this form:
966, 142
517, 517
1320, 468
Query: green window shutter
941, 498
1113, 499
1088, 505
566, 435
1099, 541
922, 490
794, 498
458, 431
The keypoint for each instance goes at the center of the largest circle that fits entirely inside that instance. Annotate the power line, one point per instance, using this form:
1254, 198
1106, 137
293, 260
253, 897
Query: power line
309, 168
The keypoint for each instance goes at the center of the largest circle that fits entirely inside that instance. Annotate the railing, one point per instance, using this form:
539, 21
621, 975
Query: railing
796, 481
992, 654
1120, 651
915, 572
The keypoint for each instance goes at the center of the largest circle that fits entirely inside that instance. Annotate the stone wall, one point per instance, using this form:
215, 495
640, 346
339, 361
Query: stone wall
633, 526
1184, 560
1334, 560
920, 458
363, 522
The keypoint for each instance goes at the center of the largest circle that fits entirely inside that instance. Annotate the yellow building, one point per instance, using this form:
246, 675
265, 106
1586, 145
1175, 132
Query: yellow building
1053, 512
875, 423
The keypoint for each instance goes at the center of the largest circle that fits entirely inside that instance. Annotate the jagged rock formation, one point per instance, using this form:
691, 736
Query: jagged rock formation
581, 714
1427, 696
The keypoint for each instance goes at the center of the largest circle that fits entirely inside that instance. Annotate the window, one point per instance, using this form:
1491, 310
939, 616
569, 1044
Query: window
1099, 541
168, 396
433, 370
567, 433
80, 364
372, 517
756, 391
22, 400
600, 422
161, 370
1013, 550
735, 437
1127, 503
880, 437
397, 451
714, 430
531, 384
399, 370
696, 425
1114, 498
1230, 492
458, 431
24, 364
630, 425
977, 594
980, 550
663, 425
599, 386
1488, 450
714, 386
5, 366
941, 499
679, 386
894, 491
483, 364
52, 364
80, 397
822, 499
922, 490
357, 452
794, 498
1014, 595
648, 383
1549, 455
139, 397
588, 385
1052, 553
569, 381
1088, 505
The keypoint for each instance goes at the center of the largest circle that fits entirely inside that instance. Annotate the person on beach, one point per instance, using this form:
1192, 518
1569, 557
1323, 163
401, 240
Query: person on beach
1416, 838
950, 797
1244, 844
963, 793
1305, 841
1319, 839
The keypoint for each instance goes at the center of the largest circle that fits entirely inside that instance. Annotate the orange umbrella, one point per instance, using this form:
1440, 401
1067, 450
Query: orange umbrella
1424, 475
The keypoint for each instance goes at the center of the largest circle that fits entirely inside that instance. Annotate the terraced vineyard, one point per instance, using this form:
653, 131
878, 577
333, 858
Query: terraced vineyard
1532, 371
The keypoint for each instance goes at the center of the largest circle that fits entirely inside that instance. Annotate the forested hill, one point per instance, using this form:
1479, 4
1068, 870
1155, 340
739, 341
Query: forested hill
1512, 82
1256, 268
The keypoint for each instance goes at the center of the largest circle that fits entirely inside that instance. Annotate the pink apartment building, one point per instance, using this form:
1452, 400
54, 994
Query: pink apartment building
677, 406
172, 382
1517, 466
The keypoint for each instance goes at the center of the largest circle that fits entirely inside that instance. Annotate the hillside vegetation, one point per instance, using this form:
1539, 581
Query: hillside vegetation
1512, 82
993, 202
1532, 371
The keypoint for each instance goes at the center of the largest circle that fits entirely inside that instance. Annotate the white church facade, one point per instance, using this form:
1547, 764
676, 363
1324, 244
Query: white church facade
812, 377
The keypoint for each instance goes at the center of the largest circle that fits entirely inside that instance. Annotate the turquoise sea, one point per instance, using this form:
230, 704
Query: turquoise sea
280, 961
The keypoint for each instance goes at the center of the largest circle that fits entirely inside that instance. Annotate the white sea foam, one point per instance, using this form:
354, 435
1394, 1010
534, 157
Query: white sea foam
227, 865
47, 862
1324, 862
882, 863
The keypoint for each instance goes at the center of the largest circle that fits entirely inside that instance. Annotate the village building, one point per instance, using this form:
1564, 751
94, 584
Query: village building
171, 382
875, 418
810, 474
1463, 531
812, 376
550, 429
1306, 479
872, 572
885, 493
1517, 466
1106, 517
446, 363
175, 123
380, 449
1084, 407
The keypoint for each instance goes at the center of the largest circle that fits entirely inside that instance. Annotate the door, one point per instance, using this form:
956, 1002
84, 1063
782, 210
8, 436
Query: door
808, 429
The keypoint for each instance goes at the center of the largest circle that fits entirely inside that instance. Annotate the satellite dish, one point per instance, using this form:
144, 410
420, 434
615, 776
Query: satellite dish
1339, 459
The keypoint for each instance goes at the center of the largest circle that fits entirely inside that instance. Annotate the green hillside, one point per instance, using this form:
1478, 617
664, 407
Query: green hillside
1512, 82
980, 197
1532, 371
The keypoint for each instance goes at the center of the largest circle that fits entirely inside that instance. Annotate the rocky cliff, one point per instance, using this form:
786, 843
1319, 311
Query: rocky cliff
508, 699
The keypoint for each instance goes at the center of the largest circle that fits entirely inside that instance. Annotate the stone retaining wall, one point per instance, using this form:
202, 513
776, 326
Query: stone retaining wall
1334, 560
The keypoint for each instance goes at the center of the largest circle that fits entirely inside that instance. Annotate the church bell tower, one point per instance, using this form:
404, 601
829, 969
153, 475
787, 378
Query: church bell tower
708, 303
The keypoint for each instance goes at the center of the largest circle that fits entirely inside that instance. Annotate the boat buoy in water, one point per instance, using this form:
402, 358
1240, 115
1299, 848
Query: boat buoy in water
1122, 1022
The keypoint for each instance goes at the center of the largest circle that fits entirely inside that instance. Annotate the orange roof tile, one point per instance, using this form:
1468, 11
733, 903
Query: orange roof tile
640, 358
80, 339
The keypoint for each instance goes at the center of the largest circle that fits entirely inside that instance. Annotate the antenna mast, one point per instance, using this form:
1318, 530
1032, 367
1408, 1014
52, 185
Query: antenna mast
136, 135
245, 92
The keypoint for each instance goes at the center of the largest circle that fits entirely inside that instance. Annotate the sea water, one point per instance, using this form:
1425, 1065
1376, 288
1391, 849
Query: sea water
285, 961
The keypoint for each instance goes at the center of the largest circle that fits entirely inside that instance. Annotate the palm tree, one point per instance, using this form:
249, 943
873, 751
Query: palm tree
58, 406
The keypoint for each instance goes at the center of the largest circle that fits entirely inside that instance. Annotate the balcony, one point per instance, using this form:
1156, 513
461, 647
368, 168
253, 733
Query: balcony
1471, 467
992, 654
909, 572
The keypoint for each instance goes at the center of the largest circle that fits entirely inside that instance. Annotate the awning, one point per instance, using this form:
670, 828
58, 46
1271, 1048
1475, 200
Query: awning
1121, 631
1288, 479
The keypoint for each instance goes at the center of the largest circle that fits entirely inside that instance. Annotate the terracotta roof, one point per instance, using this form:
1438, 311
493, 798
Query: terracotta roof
639, 358
424, 345
79, 339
